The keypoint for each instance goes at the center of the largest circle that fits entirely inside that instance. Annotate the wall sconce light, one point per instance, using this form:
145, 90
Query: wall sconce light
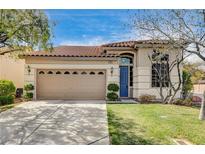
111, 70
29, 69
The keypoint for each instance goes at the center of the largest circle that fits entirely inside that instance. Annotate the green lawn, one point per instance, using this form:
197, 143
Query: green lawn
154, 124
6, 107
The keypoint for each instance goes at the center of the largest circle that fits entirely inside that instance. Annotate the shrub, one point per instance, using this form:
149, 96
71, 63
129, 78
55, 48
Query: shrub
6, 88
4, 100
183, 102
112, 96
28, 87
147, 98
28, 95
113, 87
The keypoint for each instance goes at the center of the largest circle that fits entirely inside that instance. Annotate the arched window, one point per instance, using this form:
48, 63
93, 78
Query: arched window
100, 73
41, 72
126, 61
92, 73
50, 72
75, 73
83, 73
66, 72
58, 72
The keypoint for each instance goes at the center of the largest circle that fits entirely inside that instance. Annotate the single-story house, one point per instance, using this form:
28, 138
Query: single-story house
84, 72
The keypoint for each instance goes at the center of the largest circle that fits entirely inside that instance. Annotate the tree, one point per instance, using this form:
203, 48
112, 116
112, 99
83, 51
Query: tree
187, 84
196, 73
163, 68
184, 29
24, 30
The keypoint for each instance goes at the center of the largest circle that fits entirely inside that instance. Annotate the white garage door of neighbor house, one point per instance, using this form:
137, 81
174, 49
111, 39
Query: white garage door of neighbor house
71, 84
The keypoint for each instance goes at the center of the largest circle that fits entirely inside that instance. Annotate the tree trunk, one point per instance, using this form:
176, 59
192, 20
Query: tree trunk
171, 99
202, 110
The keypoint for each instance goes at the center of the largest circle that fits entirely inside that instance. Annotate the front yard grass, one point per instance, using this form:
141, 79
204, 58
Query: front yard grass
6, 107
154, 124
9, 106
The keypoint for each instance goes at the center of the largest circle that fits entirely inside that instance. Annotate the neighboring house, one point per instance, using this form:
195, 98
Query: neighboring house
199, 87
83, 72
12, 69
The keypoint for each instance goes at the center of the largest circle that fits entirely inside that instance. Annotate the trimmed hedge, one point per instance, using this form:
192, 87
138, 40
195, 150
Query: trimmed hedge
113, 87
7, 88
112, 96
28, 87
4, 100
28, 95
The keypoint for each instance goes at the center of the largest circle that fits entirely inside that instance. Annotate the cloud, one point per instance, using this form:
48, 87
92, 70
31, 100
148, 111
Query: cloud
86, 41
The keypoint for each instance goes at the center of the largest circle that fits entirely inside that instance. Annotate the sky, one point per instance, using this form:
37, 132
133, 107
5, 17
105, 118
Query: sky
90, 27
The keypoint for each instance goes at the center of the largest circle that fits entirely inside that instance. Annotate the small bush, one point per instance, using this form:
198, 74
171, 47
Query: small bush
28, 95
112, 96
6, 88
147, 98
4, 100
28, 87
113, 87
183, 102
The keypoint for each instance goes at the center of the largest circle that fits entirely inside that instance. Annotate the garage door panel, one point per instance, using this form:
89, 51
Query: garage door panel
71, 86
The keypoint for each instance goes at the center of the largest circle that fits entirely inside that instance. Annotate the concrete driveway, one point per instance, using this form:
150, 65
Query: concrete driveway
55, 122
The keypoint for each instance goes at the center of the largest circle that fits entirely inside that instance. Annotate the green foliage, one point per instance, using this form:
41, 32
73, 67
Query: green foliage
112, 96
6, 88
24, 30
146, 98
28, 87
28, 95
4, 100
113, 87
196, 73
187, 84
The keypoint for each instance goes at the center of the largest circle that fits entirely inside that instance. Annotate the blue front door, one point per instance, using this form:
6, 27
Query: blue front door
123, 81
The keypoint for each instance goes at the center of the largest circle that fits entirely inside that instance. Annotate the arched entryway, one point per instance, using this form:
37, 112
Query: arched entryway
126, 74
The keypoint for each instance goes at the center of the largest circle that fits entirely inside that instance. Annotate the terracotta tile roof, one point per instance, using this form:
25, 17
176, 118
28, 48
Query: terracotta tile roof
132, 44
72, 51
90, 51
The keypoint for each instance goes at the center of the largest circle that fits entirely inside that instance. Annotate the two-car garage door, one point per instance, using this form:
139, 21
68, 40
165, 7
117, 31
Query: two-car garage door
71, 84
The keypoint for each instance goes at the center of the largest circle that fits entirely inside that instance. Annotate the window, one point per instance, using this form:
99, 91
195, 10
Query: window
83, 73
125, 61
75, 73
92, 73
58, 72
160, 74
66, 72
100, 73
131, 76
50, 72
41, 72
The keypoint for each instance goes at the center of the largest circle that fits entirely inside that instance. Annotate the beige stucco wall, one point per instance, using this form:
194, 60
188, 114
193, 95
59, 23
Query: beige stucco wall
63, 63
12, 69
144, 73
142, 70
